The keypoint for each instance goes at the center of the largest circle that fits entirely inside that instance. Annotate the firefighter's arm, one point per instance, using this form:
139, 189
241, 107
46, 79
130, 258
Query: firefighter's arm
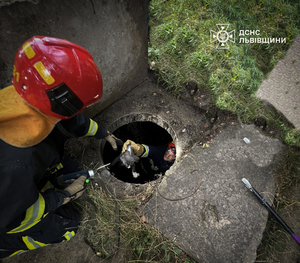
80, 125
49, 201
54, 199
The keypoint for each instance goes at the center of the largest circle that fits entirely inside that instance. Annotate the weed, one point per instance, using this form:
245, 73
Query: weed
275, 239
110, 231
292, 137
181, 37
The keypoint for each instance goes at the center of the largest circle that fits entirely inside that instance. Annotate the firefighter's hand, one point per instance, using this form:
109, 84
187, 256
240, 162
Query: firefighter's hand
75, 189
138, 149
113, 140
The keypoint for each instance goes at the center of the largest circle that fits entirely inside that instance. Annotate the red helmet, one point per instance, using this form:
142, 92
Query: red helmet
56, 76
172, 147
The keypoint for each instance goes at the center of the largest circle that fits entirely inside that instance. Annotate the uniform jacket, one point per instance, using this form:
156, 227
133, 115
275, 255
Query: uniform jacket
23, 171
155, 154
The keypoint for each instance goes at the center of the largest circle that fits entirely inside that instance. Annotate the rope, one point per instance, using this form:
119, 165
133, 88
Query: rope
182, 198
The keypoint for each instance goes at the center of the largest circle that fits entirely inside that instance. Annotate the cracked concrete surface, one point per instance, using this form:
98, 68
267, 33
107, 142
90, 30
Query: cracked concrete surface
203, 206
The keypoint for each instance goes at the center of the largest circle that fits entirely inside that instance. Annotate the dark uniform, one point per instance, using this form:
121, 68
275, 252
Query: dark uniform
31, 216
153, 159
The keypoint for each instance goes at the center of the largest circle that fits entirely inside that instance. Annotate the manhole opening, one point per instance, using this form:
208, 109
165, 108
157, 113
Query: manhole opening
147, 133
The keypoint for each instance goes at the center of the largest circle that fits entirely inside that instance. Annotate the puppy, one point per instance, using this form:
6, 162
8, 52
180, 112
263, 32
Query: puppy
128, 159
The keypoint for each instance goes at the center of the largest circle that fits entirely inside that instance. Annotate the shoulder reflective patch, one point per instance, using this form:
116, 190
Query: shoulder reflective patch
44, 73
28, 50
33, 215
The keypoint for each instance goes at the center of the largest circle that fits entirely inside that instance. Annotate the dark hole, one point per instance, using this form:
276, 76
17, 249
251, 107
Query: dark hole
147, 133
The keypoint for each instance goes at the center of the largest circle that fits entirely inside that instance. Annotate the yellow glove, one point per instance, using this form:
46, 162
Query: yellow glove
138, 149
75, 189
113, 140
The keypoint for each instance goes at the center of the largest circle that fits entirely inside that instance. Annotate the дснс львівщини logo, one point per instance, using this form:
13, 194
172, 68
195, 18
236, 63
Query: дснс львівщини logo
222, 36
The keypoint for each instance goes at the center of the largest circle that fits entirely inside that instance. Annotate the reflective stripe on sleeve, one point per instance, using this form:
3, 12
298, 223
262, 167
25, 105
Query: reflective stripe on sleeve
68, 235
32, 244
146, 153
92, 129
17, 253
33, 215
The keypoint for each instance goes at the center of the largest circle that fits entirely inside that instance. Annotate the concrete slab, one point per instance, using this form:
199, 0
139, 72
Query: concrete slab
282, 87
203, 206
218, 220
222, 221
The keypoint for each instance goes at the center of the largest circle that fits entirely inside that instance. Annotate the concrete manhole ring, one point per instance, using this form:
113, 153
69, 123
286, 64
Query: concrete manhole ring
120, 188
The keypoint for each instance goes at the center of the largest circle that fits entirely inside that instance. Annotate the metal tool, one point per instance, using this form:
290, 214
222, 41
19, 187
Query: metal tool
103, 166
66, 179
250, 187
75, 175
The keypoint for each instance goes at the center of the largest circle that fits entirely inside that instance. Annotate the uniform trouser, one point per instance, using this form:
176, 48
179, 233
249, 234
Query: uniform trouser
56, 227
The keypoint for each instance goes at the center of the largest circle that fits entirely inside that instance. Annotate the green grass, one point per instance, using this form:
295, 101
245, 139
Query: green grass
275, 238
181, 49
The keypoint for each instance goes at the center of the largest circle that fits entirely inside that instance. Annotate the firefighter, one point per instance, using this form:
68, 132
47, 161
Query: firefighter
54, 80
154, 159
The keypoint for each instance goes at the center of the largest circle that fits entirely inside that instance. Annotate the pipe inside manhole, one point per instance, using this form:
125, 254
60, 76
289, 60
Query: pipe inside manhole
145, 132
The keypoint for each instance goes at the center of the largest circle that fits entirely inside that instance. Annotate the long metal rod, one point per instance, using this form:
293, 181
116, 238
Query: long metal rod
280, 220
102, 166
